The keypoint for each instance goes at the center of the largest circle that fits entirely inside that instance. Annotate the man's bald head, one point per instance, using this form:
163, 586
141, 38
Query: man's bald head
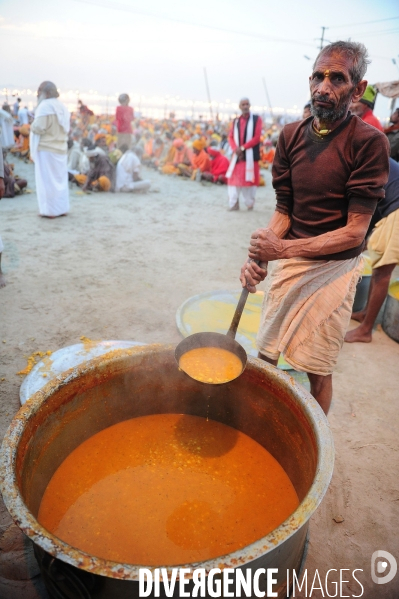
47, 89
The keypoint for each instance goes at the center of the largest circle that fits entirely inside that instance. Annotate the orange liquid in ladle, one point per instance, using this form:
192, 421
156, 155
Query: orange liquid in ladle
212, 365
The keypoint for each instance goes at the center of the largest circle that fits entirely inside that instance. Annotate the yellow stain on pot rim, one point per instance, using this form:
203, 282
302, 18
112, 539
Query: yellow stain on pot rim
393, 290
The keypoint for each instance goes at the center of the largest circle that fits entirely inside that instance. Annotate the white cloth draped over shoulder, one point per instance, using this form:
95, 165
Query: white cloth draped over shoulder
46, 108
249, 154
7, 131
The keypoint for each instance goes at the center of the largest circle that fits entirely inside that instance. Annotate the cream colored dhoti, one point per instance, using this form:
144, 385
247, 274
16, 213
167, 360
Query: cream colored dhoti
306, 311
383, 245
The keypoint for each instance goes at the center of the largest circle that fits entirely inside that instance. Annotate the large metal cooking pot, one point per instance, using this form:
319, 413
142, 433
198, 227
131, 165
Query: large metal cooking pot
265, 403
390, 319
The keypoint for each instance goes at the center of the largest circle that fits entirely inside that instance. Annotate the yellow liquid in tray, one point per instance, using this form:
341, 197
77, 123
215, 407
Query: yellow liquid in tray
166, 489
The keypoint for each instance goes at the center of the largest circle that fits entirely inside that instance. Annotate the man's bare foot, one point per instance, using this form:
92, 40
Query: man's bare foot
3, 281
359, 316
358, 335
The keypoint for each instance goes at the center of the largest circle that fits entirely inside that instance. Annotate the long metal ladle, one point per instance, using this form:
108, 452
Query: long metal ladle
227, 341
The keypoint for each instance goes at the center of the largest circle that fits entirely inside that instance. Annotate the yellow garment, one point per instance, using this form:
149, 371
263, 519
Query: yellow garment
306, 311
115, 156
103, 183
109, 139
169, 169
81, 179
199, 144
383, 244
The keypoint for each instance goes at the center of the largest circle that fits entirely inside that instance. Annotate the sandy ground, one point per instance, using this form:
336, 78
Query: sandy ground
118, 267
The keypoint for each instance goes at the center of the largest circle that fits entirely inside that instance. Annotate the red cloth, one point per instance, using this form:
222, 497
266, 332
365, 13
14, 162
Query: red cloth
392, 129
370, 119
219, 164
124, 117
237, 179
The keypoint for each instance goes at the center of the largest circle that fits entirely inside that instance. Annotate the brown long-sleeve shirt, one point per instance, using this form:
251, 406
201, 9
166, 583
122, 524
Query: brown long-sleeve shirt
318, 180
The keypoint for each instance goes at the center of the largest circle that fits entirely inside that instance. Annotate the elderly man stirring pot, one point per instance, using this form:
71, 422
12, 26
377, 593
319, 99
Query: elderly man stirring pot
329, 173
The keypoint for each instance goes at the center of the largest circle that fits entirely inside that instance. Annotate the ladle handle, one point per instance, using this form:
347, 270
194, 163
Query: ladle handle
238, 313
240, 306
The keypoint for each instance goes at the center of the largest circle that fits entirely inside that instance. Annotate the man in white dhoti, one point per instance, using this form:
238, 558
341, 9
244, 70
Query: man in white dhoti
128, 173
329, 172
6, 129
23, 116
48, 150
2, 189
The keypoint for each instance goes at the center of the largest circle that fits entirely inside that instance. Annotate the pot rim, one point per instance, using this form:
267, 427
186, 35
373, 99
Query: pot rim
95, 565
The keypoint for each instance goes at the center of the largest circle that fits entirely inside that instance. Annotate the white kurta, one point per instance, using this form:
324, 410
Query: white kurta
127, 165
7, 131
52, 190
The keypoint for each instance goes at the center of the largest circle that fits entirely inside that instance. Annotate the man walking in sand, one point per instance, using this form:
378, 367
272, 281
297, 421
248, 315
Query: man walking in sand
329, 173
243, 172
48, 150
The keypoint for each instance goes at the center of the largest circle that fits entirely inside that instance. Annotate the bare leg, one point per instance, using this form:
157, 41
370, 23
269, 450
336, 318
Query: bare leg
320, 386
359, 316
266, 359
378, 290
321, 389
3, 281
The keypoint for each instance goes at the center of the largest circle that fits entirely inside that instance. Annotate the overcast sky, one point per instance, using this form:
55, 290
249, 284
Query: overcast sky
157, 48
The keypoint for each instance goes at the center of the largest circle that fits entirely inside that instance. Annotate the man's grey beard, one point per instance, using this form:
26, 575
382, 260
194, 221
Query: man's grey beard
333, 114
329, 115
40, 98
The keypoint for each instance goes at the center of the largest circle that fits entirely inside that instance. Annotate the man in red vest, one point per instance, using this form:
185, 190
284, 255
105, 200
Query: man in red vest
243, 173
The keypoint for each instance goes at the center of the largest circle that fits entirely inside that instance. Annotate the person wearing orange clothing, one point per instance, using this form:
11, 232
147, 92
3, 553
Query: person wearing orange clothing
243, 172
181, 159
364, 108
267, 152
200, 159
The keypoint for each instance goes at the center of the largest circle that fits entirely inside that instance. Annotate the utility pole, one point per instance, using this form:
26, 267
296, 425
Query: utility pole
268, 99
322, 37
209, 95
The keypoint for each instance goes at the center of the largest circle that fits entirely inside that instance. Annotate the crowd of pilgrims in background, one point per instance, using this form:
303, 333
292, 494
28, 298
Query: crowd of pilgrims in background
198, 150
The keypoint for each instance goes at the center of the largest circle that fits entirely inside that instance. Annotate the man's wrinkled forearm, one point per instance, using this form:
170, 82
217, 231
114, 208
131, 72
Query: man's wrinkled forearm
280, 224
328, 243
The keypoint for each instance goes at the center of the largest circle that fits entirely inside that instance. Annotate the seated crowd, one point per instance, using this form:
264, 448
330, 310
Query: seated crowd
105, 153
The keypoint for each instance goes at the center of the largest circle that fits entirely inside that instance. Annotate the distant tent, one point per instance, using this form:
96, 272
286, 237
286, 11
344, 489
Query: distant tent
390, 89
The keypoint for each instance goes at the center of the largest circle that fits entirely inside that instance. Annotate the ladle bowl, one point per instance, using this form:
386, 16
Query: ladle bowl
227, 342
211, 340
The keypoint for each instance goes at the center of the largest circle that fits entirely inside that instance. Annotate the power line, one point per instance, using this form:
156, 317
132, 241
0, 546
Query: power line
380, 32
123, 7
363, 23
